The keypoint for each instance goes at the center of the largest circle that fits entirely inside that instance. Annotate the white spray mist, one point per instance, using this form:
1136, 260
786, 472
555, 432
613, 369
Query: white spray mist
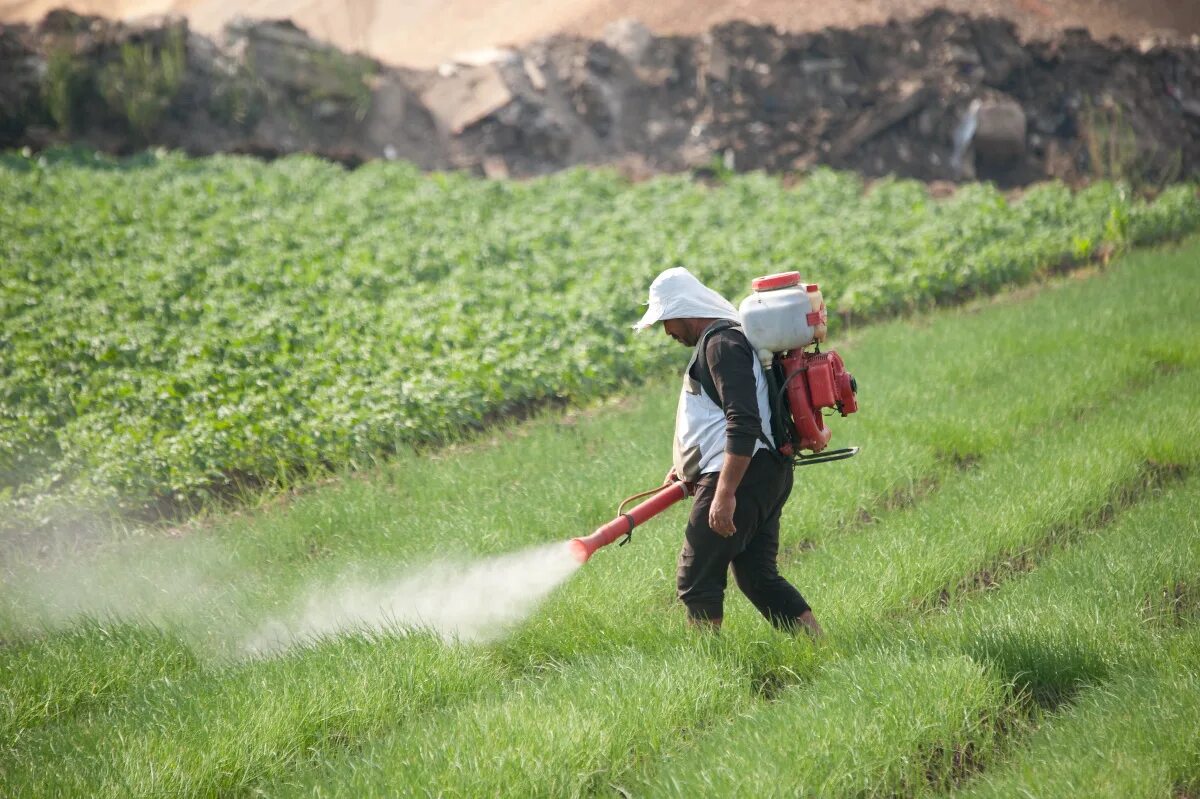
474, 601
161, 582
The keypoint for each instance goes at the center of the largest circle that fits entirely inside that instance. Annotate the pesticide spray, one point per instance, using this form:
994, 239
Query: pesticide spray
469, 602
480, 600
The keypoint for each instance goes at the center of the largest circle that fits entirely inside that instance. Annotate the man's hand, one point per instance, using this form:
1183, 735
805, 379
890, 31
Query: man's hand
720, 514
671, 477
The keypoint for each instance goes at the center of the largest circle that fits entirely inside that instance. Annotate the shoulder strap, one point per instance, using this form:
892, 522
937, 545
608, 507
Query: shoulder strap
698, 368
703, 375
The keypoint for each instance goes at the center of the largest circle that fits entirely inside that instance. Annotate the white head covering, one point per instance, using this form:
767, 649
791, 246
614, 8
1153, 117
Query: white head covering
677, 294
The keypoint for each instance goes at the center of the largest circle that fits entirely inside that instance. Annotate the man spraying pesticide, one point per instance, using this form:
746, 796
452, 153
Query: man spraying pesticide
751, 401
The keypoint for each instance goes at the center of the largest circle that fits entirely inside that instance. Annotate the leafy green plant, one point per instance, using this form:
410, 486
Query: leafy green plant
234, 323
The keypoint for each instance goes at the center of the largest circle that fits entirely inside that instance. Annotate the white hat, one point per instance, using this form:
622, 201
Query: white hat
677, 294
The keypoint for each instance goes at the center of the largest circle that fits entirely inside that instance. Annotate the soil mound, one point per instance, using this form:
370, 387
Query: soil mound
941, 97
424, 34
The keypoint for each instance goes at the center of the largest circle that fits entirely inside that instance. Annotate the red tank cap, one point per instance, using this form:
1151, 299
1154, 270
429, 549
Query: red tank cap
812, 287
781, 280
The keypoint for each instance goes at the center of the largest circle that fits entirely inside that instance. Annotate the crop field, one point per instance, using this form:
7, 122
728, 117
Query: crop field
174, 329
1007, 573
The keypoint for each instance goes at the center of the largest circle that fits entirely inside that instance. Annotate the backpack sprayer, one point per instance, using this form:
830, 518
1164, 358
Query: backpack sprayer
781, 318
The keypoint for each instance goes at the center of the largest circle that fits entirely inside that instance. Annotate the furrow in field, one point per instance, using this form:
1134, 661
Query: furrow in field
1041, 632
941, 755
599, 611
946, 465
1013, 504
1094, 636
1131, 738
1151, 478
886, 723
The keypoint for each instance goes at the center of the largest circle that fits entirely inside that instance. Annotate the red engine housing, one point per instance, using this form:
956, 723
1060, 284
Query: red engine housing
813, 381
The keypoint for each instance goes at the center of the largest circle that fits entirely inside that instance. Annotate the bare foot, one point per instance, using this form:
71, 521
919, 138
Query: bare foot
810, 624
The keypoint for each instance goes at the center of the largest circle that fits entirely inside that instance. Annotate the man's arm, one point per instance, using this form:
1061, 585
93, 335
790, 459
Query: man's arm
720, 513
731, 364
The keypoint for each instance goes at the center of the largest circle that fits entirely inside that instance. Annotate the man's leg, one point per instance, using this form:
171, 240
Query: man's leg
756, 569
703, 562
757, 575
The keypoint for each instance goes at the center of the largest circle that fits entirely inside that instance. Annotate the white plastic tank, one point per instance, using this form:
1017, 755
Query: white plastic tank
784, 313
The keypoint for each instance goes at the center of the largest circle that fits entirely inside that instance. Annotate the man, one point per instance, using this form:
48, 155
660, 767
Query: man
724, 446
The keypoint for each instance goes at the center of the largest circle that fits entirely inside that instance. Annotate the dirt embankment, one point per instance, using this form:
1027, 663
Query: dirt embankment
941, 97
424, 33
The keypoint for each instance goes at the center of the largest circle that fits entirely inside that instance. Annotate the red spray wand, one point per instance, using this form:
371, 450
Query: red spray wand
624, 523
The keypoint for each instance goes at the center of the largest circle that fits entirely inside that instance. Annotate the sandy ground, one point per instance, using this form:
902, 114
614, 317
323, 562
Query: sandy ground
425, 32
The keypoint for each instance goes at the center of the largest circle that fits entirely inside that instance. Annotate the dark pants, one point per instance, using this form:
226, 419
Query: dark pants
706, 557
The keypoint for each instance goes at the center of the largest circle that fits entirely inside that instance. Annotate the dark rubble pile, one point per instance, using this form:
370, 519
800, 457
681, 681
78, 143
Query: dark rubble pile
941, 97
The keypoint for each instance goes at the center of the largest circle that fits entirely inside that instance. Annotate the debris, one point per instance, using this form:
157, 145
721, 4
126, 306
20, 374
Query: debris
464, 98
536, 78
717, 63
495, 168
896, 108
486, 57
940, 97
1000, 136
630, 38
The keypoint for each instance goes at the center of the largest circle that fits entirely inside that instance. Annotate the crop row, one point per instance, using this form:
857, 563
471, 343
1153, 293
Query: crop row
603, 714
597, 717
175, 326
1036, 633
605, 687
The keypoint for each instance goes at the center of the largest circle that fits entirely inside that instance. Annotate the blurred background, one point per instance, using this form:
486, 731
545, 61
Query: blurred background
424, 33
1013, 91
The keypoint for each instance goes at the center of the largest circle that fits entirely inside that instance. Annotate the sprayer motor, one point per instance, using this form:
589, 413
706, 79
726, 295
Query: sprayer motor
781, 319
812, 382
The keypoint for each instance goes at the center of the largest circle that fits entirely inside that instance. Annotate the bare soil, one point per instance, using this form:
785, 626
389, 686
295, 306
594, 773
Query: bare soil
424, 33
943, 97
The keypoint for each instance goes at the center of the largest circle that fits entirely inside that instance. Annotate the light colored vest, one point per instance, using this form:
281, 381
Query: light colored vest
700, 424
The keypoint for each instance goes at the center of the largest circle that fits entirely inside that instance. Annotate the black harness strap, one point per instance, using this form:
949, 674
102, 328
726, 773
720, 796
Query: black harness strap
698, 370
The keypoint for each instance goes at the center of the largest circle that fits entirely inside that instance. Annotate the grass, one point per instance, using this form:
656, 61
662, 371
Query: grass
1136, 737
248, 723
1008, 565
1040, 637
878, 723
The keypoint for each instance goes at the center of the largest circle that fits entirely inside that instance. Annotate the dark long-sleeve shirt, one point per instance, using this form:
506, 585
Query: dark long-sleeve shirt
731, 365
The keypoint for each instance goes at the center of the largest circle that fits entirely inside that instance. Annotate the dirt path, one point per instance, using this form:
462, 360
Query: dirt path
423, 33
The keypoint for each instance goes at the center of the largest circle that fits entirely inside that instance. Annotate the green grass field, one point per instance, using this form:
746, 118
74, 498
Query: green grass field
1007, 574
